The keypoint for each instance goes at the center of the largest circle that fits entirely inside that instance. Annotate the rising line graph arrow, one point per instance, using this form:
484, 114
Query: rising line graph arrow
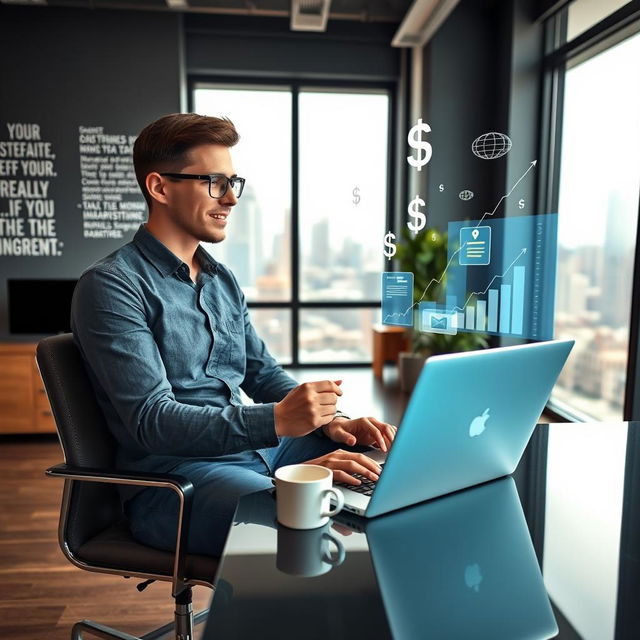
504, 197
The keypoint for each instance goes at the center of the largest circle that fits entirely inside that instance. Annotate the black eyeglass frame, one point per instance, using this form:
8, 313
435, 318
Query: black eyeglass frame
210, 176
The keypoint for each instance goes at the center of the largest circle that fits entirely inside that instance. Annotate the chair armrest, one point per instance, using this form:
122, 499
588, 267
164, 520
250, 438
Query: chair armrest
178, 483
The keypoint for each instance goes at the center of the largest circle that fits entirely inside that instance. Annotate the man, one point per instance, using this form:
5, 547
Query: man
165, 333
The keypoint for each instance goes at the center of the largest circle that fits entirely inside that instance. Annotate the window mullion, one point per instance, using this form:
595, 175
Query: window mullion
295, 226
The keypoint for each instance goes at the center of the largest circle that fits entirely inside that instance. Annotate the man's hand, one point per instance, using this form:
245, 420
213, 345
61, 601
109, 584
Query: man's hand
364, 431
307, 407
345, 463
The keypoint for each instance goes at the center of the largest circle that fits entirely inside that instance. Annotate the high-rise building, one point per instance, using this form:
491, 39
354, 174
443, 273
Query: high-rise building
618, 255
320, 244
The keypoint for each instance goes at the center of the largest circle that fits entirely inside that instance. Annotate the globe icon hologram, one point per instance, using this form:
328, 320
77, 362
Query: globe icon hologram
492, 145
465, 195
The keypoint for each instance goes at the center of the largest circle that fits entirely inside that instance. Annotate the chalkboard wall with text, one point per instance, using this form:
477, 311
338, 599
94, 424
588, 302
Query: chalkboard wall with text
77, 87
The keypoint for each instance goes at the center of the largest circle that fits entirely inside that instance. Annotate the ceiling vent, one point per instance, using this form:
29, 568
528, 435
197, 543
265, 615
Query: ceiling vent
422, 20
309, 15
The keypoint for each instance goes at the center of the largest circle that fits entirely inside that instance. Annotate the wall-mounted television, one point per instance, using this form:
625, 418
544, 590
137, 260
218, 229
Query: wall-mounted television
40, 306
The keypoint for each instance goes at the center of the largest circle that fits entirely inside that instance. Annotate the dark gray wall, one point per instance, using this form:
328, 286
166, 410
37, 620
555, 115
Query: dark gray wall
266, 47
63, 69
525, 99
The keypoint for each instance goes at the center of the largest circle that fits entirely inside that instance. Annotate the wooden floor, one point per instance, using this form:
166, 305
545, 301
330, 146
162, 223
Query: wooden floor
42, 595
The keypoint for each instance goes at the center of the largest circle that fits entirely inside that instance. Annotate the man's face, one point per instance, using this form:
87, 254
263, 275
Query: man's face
189, 205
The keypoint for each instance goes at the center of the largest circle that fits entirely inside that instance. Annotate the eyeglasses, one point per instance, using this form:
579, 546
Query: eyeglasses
218, 182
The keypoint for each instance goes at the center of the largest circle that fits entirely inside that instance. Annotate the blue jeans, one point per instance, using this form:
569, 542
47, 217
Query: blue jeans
218, 485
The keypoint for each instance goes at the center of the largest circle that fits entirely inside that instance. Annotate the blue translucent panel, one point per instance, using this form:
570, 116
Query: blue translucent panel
517, 318
397, 298
505, 308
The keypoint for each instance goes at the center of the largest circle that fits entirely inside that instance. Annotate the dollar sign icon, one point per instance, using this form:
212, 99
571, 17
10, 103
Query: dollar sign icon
521, 203
416, 142
419, 219
356, 195
441, 188
388, 242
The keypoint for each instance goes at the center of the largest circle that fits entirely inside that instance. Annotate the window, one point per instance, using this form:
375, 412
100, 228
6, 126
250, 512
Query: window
598, 192
336, 335
258, 238
305, 238
343, 193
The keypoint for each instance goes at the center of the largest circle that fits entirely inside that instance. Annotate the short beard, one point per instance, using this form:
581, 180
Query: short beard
203, 236
215, 241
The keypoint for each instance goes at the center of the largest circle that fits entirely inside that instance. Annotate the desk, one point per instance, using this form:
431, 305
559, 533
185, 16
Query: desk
471, 564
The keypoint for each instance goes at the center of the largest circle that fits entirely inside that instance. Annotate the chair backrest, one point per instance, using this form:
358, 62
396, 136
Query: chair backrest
84, 436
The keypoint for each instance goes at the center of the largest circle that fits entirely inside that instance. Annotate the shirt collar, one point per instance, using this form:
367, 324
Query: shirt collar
165, 261
207, 262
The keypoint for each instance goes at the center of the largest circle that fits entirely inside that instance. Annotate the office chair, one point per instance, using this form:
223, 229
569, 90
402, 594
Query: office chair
93, 532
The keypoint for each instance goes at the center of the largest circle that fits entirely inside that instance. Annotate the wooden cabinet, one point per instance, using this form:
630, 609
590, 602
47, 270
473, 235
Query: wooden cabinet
24, 407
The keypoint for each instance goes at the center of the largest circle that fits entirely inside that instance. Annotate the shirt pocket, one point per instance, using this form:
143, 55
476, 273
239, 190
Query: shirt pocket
231, 344
235, 323
184, 340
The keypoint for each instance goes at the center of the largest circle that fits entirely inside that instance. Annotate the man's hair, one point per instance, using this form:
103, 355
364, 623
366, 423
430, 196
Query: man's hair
164, 145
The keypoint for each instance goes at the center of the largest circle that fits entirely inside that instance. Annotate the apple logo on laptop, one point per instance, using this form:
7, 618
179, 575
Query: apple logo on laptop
477, 425
473, 576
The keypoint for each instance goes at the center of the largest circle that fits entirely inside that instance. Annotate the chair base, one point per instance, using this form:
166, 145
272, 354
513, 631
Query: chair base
183, 625
99, 631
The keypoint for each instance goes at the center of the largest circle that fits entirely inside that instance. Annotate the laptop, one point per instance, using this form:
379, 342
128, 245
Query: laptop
462, 566
468, 421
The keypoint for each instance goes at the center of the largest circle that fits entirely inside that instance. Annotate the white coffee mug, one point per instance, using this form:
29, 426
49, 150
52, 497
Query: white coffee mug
303, 496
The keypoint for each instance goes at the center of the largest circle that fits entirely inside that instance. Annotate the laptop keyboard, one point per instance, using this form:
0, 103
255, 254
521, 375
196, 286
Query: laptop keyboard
366, 488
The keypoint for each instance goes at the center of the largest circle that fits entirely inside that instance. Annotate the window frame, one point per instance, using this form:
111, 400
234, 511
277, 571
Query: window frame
560, 56
295, 305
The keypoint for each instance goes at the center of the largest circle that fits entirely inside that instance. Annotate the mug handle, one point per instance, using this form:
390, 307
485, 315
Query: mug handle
328, 558
337, 494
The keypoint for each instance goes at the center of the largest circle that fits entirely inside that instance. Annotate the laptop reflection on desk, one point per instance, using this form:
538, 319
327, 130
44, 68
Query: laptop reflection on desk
461, 567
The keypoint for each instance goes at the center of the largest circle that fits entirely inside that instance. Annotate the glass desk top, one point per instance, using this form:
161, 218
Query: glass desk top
552, 551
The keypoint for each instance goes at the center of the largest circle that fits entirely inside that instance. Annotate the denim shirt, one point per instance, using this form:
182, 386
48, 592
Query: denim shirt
167, 357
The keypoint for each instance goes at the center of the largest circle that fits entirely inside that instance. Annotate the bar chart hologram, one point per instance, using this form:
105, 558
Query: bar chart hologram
514, 295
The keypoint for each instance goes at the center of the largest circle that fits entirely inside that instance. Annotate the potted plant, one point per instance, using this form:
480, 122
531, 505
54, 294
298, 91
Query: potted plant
425, 255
